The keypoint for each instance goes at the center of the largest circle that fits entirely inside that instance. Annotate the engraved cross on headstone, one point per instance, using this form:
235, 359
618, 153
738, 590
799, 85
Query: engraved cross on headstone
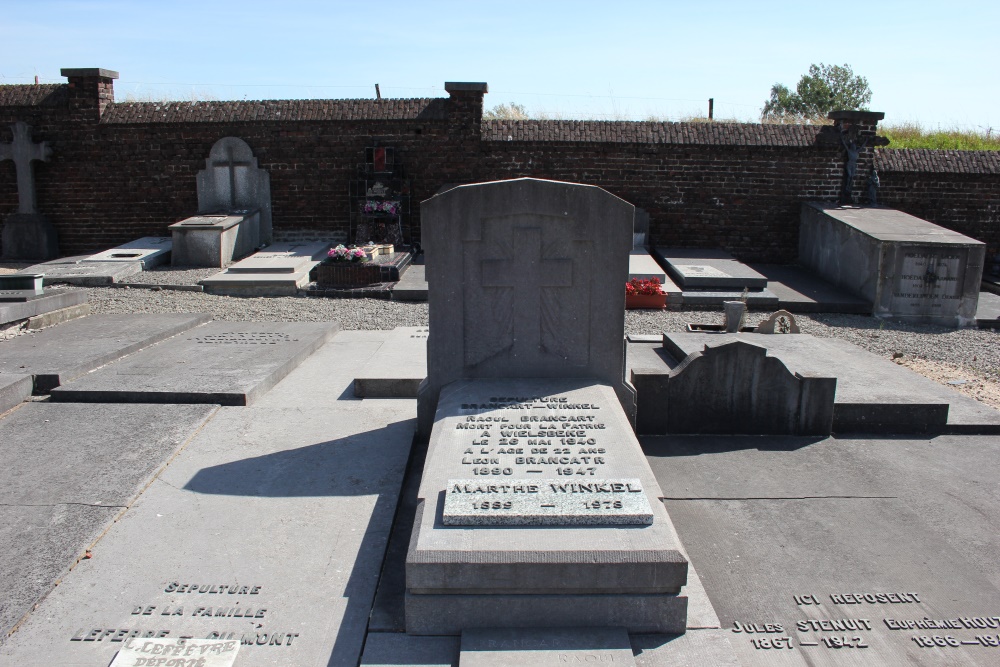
231, 164
23, 152
528, 273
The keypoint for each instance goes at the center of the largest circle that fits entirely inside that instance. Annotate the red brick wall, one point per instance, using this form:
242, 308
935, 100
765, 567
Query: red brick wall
121, 171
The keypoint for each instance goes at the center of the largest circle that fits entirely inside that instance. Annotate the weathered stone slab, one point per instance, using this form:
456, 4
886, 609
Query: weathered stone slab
291, 509
282, 258
86, 274
13, 390
505, 647
12, 311
800, 290
394, 649
30, 284
907, 267
280, 269
708, 269
59, 354
52, 512
149, 251
412, 285
229, 363
883, 542
398, 369
873, 394
712, 297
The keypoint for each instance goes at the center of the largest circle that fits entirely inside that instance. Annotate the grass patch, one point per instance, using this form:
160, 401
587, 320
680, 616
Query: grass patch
912, 135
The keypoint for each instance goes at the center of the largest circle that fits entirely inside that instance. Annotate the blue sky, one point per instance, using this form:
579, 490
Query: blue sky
935, 63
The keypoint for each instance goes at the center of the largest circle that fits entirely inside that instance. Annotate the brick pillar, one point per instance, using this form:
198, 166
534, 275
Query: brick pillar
465, 133
861, 127
91, 90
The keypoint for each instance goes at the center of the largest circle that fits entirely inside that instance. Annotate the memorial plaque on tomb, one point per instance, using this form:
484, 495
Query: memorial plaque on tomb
927, 281
699, 271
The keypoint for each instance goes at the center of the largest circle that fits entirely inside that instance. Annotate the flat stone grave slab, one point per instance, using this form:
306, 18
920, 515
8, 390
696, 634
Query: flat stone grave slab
394, 649
281, 268
12, 311
708, 269
412, 285
13, 390
515, 438
988, 312
69, 471
873, 394
850, 551
800, 290
229, 363
399, 367
87, 274
149, 251
59, 354
282, 258
506, 647
905, 266
268, 529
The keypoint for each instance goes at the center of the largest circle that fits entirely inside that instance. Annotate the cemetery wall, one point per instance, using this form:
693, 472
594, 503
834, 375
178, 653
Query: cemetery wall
959, 190
121, 171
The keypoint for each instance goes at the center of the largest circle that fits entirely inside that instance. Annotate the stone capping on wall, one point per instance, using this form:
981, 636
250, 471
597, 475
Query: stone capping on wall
645, 132
275, 110
931, 161
74, 72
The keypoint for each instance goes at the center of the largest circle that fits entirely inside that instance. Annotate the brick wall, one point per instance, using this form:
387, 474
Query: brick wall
120, 171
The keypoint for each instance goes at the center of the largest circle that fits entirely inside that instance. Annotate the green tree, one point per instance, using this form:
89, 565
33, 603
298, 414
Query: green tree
824, 89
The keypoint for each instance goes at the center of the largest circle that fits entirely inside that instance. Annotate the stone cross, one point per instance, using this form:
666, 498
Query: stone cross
23, 152
528, 273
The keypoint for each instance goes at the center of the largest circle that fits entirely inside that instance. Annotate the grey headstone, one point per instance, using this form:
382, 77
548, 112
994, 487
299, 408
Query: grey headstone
778, 322
59, 354
505, 647
69, 471
149, 251
907, 267
231, 180
230, 363
526, 279
47, 302
734, 387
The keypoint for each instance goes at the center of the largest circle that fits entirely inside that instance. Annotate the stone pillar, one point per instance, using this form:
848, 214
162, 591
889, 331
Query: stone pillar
91, 90
465, 117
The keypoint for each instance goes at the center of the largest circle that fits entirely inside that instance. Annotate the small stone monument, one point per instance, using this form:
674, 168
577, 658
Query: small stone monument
27, 234
536, 502
234, 209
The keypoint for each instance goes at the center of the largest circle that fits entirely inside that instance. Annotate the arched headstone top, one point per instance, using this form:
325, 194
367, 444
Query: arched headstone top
232, 181
230, 148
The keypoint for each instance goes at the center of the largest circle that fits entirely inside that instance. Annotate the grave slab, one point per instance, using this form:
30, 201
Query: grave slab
392, 649
214, 239
412, 285
799, 290
20, 285
873, 394
988, 312
571, 436
506, 647
59, 354
712, 297
149, 251
398, 369
86, 274
12, 311
68, 472
905, 266
279, 269
13, 390
856, 548
229, 363
269, 516
705, 268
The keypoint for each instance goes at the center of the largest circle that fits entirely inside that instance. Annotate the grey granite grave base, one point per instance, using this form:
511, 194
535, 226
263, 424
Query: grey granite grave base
59, 354
54, 317
13, 390
391, 649
29, 236
398, 369
705, 297
412, 285
214, 239
452, 614
800, 290
278, 270
705, 268
229, 363
69, 471
86, 274
47, 302
859, 529
988, 312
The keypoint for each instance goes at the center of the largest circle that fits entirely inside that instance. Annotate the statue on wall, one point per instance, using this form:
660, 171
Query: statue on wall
853, 145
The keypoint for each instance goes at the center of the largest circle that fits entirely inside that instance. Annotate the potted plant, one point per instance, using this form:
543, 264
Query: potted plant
644, 294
